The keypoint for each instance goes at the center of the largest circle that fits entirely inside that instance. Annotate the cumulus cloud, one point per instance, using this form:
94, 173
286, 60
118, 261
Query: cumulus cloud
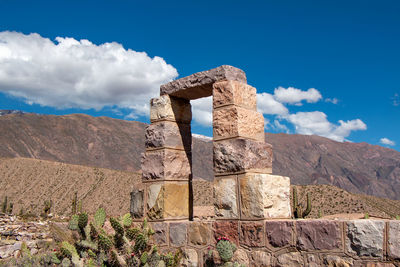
396, 100
202, 111
386, 141
267, 104
281, 127
332, 100
316, 122
69, 73
294, 96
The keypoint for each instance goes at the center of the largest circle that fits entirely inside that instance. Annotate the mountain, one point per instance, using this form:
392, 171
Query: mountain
117, 144
77, 139
10, 111
355, 167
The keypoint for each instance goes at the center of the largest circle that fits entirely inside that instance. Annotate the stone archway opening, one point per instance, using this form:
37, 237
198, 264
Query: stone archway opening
244, 188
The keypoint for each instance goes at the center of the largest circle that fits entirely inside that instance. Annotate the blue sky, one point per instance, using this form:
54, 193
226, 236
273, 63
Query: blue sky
348, 51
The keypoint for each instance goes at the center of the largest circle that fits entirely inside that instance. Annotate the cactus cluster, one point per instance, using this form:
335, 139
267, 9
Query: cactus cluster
128, 246
298, 208
226, 249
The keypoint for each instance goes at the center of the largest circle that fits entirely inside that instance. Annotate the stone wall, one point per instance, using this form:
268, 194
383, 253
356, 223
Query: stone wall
252, 206
286, 242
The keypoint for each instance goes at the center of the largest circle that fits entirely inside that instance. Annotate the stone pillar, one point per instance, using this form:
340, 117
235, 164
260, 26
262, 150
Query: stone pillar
166, 164
244, 187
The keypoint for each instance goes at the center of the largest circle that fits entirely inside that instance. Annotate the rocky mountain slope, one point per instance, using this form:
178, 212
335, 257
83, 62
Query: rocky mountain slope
117, 144
76, 139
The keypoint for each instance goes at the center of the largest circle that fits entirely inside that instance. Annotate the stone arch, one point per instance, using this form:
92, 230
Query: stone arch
243, 185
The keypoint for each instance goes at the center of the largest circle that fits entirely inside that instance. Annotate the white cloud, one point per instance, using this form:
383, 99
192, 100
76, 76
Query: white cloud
202, 111
332, 100
79, 74
294, 96
281, 127
386, 141
267, 123
316, 122
267, 104
396, 100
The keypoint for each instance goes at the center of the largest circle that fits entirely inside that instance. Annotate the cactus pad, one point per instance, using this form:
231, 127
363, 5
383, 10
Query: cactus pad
126, 220
83, 220
117, 226
104, 242
100, 217
73, 222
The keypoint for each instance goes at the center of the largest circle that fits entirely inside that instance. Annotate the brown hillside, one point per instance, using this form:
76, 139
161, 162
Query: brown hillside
355, 167
30, 182
117, 144
77, 139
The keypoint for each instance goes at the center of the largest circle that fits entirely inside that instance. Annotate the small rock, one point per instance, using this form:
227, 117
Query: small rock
34, 251
241, 257
261, 259
190, 258
293, 259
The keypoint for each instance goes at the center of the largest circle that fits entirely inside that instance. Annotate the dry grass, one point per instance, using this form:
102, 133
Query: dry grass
28, 183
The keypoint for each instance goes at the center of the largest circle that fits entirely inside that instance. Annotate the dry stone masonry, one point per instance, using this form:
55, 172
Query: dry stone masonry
251, 205
244, 188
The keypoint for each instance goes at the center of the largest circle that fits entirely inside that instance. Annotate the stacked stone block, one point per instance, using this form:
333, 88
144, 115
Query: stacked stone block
243, 185
166, 164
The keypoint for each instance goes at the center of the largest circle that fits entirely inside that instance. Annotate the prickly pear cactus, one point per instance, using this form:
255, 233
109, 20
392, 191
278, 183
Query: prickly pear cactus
73, 222
100, 217
131, 233
68, 250
126, 220
143, 258
117, 226
88, 244
83, 220
104, 242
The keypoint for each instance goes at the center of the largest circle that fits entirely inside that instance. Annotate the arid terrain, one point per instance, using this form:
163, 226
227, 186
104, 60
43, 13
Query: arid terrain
28, 183
117, 144
49, 157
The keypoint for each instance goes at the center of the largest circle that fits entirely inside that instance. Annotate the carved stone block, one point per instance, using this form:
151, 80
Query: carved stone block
264, 196
239, 155
234, 121
200, 84
225, 198
166, 164
168, 200
234, 93
169, 108
168, 134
